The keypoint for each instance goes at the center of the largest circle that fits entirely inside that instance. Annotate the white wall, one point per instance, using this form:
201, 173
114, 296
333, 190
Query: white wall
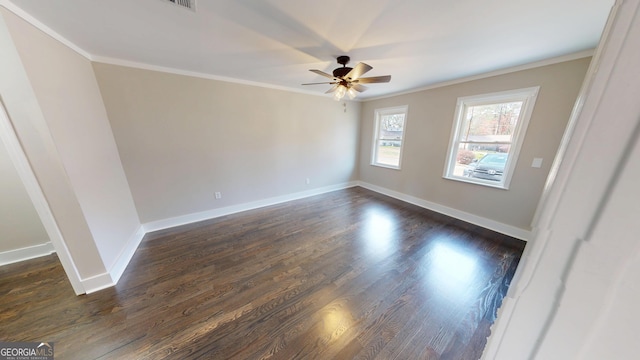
20, 226
252, 154
67, 92
576, 294
55, 106
29, 123
182, 139
599, 304
428, 130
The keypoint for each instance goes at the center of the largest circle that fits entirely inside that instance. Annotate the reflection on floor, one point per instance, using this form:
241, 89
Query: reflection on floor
349, 274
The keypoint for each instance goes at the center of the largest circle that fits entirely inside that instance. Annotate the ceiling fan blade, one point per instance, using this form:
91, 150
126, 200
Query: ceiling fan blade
321, 83
358, 87
357, 71
374, 79
322, 73
333, 88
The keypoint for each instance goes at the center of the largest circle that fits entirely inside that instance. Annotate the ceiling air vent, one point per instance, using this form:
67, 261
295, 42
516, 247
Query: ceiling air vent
189, 4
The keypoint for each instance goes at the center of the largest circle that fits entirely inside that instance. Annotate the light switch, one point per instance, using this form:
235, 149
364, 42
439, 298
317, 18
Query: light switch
537, 162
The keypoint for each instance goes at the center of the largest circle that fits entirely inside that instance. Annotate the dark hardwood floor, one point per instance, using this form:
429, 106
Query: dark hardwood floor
346, 275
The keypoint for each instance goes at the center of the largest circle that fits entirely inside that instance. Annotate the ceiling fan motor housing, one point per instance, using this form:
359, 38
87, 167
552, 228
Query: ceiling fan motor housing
344, 70
341, 72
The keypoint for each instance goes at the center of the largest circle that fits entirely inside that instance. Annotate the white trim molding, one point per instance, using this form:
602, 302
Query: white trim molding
10, 139
120, 264
200, 75
233, 209
121, 62
377, 139
458, 214
509, 70
527, 97
26, 253
602, 126
97, 282
115, 271
44, 28
112, 276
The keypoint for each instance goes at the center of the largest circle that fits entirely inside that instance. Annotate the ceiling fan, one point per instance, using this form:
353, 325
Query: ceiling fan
346, 80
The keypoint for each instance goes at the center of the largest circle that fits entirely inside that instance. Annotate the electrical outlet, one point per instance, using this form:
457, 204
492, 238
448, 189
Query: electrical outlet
308, 181
218, 195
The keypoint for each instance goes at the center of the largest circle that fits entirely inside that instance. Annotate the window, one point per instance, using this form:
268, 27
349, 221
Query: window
388, 136
487, 133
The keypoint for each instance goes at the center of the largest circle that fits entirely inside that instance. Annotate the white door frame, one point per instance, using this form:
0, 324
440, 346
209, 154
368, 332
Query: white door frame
28, 177
562, 225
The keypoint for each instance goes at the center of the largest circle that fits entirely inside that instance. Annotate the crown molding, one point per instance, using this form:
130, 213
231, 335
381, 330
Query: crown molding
44, 28
169, 70
527, 66
138, 65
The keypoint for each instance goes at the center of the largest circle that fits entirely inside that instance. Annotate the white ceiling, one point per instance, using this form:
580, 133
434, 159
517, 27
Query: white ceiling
276, 42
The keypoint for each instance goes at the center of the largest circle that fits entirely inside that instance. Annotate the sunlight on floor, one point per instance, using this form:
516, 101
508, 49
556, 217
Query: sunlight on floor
451, 270
380, 234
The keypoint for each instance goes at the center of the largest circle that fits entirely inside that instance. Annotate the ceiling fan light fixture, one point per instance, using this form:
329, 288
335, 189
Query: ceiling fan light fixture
352, 93
339, 93
347, 80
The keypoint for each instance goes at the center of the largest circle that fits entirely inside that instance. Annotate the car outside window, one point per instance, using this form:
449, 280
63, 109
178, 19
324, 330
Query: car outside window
486, 137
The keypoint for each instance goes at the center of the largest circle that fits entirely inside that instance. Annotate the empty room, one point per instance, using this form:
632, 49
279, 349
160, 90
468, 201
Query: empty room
190, 179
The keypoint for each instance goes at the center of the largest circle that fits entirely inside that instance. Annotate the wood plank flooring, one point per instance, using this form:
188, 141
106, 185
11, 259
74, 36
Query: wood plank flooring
345, 275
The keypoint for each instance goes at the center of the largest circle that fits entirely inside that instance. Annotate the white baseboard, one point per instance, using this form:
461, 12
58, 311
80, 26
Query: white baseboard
97, 282
118, 267
30, 252
458, 214
214, 213
110, 278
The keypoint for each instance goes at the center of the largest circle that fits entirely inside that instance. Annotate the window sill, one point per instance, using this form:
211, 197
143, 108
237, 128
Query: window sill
386, 166
487, 183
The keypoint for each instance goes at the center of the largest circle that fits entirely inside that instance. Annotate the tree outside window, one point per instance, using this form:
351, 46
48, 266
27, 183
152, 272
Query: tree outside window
486, 137
389, 136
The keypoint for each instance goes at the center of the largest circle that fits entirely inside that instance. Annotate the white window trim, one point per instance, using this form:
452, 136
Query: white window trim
528, 96
374, 151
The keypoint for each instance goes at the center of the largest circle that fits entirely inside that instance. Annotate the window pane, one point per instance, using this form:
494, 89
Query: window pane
481, 161
486, 147
391, 126
487, 135
490, 123
388, 152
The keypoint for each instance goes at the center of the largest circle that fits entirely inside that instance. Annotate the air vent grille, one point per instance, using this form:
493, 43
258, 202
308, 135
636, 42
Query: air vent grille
188, 4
